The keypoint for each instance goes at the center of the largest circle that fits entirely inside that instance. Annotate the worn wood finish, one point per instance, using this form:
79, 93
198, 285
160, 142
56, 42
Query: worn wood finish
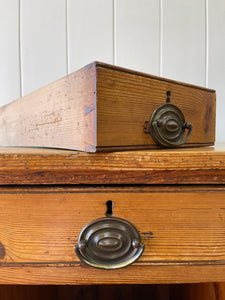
110, 188
181, 231
166, 195
23, 166
126, 101
102, 107
77, 274
60, 115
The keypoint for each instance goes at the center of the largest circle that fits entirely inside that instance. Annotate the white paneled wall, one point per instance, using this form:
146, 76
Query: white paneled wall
43, 40
183, 40
90, 32
9, 51
216, 60
137, 35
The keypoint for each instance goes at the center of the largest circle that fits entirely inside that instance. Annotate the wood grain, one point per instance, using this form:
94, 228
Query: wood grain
60, 115
117, 101
125, 101
135, 72
78, 274
23, 166
110, 188
219, 288
42, 228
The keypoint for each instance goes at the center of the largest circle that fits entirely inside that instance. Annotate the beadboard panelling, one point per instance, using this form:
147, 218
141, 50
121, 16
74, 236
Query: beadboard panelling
90, 32
183, 40
9, 51
43, 42
216, 60
137, 35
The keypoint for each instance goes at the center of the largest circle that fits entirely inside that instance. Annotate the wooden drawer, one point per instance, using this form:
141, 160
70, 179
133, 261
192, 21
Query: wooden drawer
183, 230
102, 108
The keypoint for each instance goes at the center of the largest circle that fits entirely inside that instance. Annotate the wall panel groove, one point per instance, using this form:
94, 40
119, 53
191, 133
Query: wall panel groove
137, 35
44, 40
216, 64
90, 32
184, 40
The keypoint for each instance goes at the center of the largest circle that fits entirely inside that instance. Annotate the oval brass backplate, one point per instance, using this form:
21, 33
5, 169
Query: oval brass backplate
109, 243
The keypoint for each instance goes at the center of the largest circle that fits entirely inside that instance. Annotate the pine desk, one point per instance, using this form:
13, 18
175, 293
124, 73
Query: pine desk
175, 198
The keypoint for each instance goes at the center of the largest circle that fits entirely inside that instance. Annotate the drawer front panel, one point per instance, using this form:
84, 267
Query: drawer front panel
125, 101
181, 231
175, 227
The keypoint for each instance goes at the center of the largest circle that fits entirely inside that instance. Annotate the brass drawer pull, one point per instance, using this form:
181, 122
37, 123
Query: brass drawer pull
167, 125
109, 243
166, 142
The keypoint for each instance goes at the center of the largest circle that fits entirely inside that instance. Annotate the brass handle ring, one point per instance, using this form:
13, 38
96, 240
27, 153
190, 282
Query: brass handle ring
167, 143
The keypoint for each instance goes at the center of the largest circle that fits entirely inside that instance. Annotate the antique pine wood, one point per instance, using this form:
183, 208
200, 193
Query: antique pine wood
58, 115
135, 274
175, 198
175, 166
102, 107
125, 100
43, 227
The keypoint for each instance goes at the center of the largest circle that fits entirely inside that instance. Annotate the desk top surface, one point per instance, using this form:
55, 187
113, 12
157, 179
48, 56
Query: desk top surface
37, 166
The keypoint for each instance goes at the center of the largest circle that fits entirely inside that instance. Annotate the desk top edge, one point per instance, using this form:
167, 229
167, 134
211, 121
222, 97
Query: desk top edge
217, 149
205, 165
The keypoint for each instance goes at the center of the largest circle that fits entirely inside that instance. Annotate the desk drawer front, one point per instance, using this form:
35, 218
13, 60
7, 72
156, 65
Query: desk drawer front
177, 228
